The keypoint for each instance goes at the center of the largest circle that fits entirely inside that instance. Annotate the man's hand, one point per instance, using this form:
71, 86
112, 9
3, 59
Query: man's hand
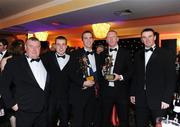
132, 99
117, 77
2, 113
15, 107
164, 105
88, 83
3, 62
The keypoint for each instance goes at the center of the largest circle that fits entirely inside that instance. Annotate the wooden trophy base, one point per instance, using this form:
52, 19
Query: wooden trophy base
90, 78
109, 77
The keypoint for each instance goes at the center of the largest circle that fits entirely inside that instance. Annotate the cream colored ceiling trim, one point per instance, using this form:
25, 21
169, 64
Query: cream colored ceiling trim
60, 8
37, 8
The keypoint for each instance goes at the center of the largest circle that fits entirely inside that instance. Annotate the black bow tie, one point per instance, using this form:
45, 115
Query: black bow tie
1, 53
91, 53
37, 60
115, 49
58, 56
150, 49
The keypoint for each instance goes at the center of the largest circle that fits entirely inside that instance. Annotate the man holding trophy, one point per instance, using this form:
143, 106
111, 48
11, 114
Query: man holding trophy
117, 72
84, 86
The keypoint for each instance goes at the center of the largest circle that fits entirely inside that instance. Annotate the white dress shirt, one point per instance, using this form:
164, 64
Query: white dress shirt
39, 72
91, 61
3, 53
148, 55
62, 61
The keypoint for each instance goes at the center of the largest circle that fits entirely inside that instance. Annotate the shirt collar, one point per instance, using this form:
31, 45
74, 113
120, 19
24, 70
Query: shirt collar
113, 48
154, 46
87, 50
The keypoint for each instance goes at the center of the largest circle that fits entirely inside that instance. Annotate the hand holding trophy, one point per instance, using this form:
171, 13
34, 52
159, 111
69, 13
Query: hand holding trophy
85, 67
108, 68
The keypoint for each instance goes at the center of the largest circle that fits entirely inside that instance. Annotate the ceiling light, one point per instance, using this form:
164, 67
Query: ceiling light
30, 35
42, 36
123, 12
100, 30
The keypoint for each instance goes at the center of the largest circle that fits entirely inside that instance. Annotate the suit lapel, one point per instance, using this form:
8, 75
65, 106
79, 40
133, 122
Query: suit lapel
55, 61
47, 81
142, 61
28, 69
153, 56
117, 60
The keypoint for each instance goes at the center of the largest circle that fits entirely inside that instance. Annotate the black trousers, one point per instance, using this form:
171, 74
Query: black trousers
58, 110
122, 108
83, 114
144, 114
27, 119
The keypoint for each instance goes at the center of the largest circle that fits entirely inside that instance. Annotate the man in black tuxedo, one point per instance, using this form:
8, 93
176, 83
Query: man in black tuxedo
84, 86
154, 80
115, 91
3, 49
30, 78
58, 66
3, 54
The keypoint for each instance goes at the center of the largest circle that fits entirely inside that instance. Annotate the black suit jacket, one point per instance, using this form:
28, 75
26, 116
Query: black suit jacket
6, 54
159, 77
77, 94
29, 96
123, 66
59, 78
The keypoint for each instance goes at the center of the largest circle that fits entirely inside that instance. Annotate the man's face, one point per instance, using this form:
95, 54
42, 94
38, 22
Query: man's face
88, 40
60, 46
2, 47
148, 38
112, 39
33, 48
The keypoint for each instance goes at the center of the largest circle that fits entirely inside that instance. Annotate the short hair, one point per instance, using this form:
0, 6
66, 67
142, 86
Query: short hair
61, 38
113, 31
87, 31
16, 47
17, 43
147, 30
4, 41
33, 39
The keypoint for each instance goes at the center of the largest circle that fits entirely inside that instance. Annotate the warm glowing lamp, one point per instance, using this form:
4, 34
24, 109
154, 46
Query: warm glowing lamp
30, 35
42, 36
178, 44
100, 30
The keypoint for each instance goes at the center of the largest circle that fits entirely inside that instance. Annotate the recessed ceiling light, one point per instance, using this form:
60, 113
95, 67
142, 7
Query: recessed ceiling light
123, 12
55, 23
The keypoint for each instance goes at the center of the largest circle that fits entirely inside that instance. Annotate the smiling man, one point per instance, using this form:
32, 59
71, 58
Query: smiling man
154, 80
115, 91
83, 90
58, 65
30, 79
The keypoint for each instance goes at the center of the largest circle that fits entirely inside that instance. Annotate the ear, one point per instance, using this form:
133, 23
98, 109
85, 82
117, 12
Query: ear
154, 37
117, 39
142, 40
25, 46
5, 46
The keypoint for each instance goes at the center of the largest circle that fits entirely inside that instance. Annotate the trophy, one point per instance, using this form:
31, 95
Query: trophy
108, 68
85, 67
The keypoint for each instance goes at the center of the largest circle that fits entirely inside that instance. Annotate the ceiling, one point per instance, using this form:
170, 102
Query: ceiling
69, 17
12, 7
